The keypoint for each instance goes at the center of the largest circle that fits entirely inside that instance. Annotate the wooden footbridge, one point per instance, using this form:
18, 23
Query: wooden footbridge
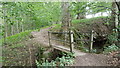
70, 48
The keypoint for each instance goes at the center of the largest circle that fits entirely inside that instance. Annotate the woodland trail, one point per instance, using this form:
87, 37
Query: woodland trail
82, 59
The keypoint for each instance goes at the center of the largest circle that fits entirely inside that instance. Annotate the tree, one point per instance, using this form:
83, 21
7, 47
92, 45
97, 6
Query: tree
65, 16
21, 16
65, 19
79, 8
118, 18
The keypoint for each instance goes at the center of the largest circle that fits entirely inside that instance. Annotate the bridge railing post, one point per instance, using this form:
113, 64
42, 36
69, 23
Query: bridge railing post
71, 41
91, 40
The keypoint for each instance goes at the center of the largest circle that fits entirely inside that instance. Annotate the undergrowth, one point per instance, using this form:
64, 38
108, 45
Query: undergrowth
13, 54
65, 60
113, 43
111, 48
14, 48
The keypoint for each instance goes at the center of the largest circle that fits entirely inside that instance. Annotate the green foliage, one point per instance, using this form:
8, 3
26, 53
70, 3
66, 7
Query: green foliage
94, 51
1, 59
96, 7
17, 38
46, 63
113, 38
56, 27
111, 48
21, 16
39, 54
22, 36
85, 49
1, 42
65, 60
87, 8
87, 20
16, 45
78, 8
70, 55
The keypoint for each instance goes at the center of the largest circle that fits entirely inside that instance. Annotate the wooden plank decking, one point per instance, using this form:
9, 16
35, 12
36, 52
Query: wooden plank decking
67, 50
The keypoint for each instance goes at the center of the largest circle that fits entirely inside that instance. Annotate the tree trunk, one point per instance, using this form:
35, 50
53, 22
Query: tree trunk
17, 26
5, 22
22, 27
113, 16
80, 16
118, 19
12, 30
65, 18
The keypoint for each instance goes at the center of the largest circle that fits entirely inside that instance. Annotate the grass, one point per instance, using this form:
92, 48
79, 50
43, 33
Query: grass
14, 39
87, 20
56, 28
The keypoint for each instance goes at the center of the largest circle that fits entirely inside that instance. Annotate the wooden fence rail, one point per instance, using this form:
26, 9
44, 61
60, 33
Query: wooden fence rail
71, 39
59, 40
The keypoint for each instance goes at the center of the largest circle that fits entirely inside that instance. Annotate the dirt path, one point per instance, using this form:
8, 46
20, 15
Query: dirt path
83, 59
92, 60
41, 36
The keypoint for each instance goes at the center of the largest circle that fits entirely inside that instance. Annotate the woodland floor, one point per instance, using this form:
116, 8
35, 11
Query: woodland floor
41, 38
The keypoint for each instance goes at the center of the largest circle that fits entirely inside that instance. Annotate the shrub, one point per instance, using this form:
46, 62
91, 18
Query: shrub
111, 48
113, 38
63, 61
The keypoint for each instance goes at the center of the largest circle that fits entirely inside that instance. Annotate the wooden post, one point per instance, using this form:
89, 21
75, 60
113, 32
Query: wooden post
49, 35
65, 37
71, 41
91, 41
